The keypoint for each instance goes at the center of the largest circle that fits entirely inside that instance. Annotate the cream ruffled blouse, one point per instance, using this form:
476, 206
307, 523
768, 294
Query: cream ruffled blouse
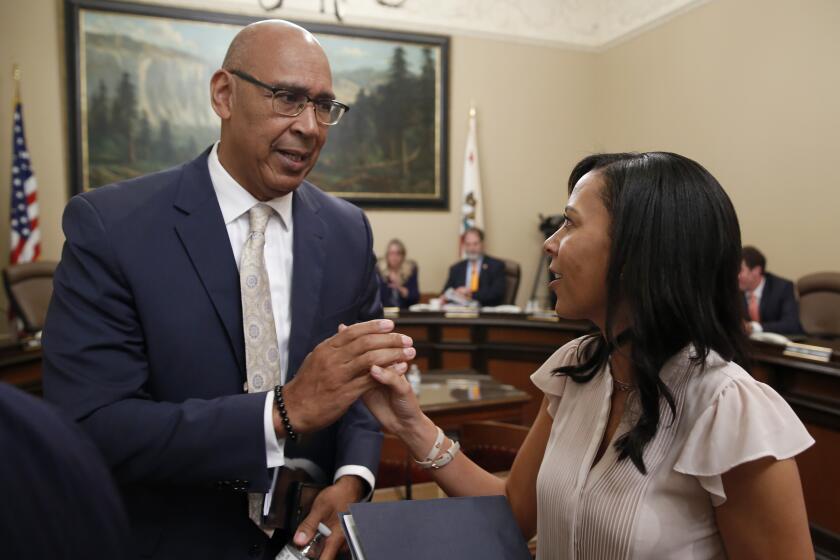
610, 510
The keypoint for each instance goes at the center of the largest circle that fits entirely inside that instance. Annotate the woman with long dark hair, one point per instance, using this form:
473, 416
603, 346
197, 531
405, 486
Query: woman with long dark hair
652, 442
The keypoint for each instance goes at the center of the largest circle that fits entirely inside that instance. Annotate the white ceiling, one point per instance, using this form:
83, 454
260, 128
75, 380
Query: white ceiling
587, 24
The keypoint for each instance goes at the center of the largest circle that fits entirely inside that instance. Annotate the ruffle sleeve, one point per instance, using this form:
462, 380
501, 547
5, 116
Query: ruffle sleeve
746, 421
551, 383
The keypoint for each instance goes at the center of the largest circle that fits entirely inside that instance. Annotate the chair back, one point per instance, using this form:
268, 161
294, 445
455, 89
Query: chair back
819, 303
397, 467
512, 275
492, 445
29, 289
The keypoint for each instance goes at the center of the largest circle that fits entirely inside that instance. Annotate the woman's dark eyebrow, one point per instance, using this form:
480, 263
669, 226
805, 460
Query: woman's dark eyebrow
570, 209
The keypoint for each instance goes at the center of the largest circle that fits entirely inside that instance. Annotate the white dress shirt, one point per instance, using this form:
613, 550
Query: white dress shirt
755, 325
235, 202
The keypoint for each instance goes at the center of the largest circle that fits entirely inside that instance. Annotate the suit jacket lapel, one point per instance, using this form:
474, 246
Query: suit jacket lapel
204, 236
307, 274
766, 298
483, 272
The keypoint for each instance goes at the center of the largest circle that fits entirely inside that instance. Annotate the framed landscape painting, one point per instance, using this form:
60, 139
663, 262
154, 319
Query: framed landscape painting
139, 101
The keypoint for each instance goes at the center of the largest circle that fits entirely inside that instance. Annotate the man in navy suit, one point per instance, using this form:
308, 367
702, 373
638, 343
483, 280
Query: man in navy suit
478, 277
144, 342
769, 301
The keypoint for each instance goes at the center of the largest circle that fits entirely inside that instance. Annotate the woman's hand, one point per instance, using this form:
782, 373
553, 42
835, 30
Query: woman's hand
392, 401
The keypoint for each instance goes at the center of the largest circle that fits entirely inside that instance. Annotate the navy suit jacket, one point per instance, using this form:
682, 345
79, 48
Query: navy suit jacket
778, 308
58, 498
143, 345
491, 280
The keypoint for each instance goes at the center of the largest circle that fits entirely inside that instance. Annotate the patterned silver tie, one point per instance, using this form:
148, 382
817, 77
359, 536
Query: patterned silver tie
262, 356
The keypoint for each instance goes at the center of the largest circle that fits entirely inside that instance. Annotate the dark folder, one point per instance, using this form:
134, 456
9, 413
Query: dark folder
480, 528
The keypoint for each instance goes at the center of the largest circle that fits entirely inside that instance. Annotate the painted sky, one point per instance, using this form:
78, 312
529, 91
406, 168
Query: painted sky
206, 40
349, 53
210, 40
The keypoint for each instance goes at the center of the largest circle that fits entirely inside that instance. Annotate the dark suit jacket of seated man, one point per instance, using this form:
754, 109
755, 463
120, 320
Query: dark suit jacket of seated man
491, 280
59, 500
144, 340
778, 309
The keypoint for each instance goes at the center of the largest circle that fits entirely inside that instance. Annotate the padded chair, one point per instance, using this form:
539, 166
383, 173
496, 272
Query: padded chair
397, 466
819, 304
492, 445
394, 463
29, 289
512, 275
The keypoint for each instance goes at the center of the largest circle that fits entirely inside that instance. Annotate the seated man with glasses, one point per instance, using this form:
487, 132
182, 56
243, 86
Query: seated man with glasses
192, 331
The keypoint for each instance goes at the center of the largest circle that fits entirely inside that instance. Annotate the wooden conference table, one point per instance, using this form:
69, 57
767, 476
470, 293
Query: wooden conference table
453, 397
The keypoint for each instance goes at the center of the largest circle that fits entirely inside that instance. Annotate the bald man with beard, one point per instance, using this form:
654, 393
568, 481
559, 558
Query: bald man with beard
159, 351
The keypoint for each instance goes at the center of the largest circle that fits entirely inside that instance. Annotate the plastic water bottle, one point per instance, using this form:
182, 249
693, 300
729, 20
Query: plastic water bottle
312, 549
414, 378
532, 306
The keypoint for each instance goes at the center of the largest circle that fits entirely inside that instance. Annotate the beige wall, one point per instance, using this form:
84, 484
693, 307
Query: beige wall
750, 89
524, 153
31, 34
747, 87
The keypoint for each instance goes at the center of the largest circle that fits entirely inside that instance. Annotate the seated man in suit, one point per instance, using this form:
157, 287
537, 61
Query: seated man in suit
192, 329
769, 301
478, 277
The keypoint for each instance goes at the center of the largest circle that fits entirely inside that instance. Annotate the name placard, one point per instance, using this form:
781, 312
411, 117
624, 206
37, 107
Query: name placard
547, 318
808, 352
461, 314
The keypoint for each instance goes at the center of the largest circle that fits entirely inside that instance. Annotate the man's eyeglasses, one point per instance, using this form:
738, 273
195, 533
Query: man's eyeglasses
292, 103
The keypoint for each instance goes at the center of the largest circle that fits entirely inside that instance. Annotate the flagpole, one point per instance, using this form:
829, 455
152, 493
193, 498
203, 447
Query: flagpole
16, 78
470, 116
472, 210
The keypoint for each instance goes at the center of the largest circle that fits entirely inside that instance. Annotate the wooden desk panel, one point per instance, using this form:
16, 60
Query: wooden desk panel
417, 334
822, 459
456, 334
456, 359
21, 366
528, 336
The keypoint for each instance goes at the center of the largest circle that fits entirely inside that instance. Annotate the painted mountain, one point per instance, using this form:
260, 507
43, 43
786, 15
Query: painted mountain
147, 105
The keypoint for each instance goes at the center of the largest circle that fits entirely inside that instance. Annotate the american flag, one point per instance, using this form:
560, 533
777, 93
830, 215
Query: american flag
26, 237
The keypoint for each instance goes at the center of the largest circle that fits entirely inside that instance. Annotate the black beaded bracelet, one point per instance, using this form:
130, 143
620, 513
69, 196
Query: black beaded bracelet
284, 416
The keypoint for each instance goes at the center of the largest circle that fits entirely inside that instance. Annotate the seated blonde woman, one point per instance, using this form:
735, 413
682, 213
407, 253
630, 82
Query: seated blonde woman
398, 275
652, 442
